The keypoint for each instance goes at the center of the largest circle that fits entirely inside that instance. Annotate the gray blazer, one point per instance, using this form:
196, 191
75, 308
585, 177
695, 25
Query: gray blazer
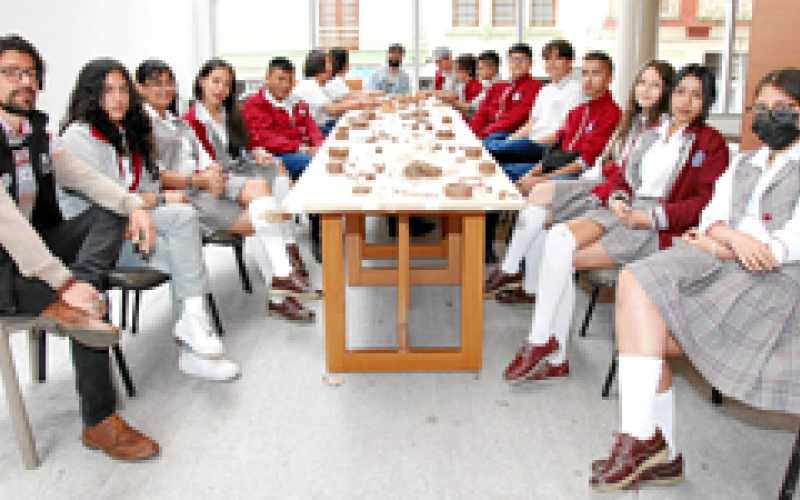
78, 140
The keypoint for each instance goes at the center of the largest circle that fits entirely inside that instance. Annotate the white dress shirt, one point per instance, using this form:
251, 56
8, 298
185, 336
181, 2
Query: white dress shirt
336, 88
659, 162
552, 105
784, 243
310, 91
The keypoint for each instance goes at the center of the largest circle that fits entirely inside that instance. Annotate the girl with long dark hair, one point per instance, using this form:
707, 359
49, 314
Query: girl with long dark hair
107, 127
559, 201
252, 185
726, 295
668, 178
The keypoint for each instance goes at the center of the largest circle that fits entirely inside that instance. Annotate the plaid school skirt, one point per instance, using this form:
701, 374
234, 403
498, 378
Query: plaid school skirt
572, 198
740, 329
622, 244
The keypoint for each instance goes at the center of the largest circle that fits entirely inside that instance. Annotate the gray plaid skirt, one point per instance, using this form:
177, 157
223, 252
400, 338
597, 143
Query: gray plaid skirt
572, 198
625, 245
740, 329
219, 214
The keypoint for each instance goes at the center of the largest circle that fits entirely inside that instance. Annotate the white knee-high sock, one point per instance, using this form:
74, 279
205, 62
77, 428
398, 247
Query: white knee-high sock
638, 381
280, 187
664, 416
563, 321
287, 230
533, 259
529, 225
270, 235
555, 273
259, 254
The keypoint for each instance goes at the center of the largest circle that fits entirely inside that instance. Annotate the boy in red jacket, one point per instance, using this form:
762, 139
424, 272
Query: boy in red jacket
587, 127
280, 125
506, 107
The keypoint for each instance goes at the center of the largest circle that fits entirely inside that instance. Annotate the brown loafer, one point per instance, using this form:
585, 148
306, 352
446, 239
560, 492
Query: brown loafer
527, 358
114, 437
294, 286
81, 325
630, 457
291, 309
293, 250
514, 296
498, 279
547, 370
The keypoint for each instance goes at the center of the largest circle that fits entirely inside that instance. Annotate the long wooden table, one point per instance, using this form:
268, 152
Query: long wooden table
402, 139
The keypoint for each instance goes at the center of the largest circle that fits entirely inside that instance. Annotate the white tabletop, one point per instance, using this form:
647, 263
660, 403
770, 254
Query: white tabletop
319, 191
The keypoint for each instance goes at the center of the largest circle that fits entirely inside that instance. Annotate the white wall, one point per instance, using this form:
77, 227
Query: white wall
69, 33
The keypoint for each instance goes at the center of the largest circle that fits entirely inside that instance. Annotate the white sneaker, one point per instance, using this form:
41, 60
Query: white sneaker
196, 333
209, 369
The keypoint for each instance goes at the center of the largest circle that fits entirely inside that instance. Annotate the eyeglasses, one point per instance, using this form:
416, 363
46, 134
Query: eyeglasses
15, 73
778, 108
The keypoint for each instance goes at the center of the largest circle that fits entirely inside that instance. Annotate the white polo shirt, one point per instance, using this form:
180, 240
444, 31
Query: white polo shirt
552, 105
310, 91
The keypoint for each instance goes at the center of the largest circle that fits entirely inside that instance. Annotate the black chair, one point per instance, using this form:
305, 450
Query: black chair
235, 241
790, 479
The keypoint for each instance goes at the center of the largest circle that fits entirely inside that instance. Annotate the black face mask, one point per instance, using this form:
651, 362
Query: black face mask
394, 63
776, 129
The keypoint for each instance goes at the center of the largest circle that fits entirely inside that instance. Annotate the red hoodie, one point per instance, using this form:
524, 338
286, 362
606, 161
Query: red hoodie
272, 128
506, 107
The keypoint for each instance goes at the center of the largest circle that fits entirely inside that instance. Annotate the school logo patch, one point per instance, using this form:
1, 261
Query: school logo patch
516, 96
698, 158
589, 127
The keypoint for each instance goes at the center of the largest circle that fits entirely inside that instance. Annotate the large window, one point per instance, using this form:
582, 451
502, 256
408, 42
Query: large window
504, 12
338, 23
466, 13
542, 13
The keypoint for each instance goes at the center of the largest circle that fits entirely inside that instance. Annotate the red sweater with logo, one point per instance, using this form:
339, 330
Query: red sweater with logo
506, 107
588, 127
271, 127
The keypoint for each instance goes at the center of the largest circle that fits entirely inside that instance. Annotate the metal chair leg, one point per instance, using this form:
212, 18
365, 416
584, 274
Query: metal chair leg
122, 366
790, 479
612, 372
238, 250
37, 353
212, 307
16, 405
590, 310
123, 310
137, 299
716, 397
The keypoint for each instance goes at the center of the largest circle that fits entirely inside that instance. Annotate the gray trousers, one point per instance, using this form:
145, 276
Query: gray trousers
178, 250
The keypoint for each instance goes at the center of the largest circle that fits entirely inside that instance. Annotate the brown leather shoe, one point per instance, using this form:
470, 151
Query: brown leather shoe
498, 279
114, 437
291, 309
630, 457
526, 359
294, 286
548, 370
81, 325
297, 260
514, 296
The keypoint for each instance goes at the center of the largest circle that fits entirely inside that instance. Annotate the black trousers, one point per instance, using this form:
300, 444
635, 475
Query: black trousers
89, 244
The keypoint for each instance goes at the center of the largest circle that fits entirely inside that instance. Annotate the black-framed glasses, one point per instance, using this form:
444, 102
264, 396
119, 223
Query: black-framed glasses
15, 73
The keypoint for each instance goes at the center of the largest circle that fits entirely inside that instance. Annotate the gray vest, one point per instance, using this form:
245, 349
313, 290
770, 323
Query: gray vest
633, 169
777, 203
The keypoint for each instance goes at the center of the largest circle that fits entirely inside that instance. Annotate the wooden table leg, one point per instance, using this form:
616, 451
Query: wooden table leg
334, 289
403, 281
474, 227
354, 243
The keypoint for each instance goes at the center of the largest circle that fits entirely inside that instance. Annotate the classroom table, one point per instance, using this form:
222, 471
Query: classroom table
404, 159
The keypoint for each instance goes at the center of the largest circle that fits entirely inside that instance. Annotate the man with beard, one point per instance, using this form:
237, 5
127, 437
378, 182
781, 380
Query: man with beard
55, 268
392, 79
